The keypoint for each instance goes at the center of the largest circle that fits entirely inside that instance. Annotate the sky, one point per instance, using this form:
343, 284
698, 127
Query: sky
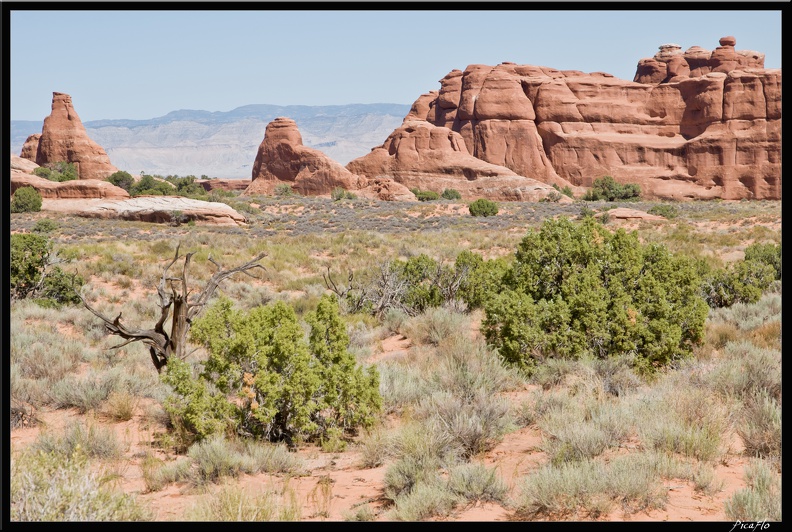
143, 64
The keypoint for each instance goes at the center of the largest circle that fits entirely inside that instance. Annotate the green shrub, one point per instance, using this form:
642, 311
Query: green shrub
483, 207
264, 380
32, 275
740, 282
284, 190
45, 226
577, 289
122, 179
425, 195
480, 279
767, 254
666, 211
26, 199
58, 171
552, 197
607, 189
339, 193
187, 187
451, 194
148, 186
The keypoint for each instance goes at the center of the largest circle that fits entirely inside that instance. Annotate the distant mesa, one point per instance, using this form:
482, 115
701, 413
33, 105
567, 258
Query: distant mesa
64, 139
692, 125
283, 159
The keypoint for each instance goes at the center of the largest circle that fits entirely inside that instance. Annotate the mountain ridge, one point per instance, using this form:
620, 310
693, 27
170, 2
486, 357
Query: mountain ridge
224, 143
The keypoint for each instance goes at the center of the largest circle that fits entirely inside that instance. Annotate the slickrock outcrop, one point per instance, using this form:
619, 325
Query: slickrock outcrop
429, 157
282, 158
76, 189
223, 184
63, 138
693, 124
23, 165
153, 209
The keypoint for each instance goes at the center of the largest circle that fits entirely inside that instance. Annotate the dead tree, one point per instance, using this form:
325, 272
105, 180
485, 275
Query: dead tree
174, 295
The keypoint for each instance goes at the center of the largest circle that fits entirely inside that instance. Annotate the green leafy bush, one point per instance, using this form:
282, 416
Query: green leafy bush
122, 179
26, 199
740, 282
451, 194
58, 171
187, 187
284, 190
767, 254
480, 279
483, 207
32, 275
425, 195
148, 186
45, 226
666, 211
577, 289
607, 189
263, 379
340, 193
566, 191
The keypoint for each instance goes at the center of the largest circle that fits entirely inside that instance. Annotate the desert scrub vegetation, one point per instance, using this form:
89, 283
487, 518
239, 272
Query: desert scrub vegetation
451, 396
48, 486
263, 379
483, 207
608, 189
26, 199
57, 171
574, 289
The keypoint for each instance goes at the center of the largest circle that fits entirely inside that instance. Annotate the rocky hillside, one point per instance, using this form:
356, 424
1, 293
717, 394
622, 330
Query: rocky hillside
224, 144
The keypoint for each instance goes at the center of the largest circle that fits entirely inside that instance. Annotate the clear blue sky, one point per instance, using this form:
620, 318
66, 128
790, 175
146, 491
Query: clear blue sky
144, 64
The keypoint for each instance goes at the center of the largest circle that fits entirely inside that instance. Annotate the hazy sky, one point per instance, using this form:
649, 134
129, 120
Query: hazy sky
144, 64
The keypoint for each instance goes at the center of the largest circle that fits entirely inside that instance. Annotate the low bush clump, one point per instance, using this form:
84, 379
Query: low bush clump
26, 199
451, 194
483, 207
339, 193
263, 380
577, 289
740, 282
425, 195
666, 211
58, 171
33, 276
122, 179
607, 189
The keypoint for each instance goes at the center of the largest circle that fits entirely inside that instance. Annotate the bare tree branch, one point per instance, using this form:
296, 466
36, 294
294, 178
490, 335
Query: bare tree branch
162, 345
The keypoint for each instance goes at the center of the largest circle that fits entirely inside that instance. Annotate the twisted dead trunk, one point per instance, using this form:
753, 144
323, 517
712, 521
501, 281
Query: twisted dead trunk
174, 295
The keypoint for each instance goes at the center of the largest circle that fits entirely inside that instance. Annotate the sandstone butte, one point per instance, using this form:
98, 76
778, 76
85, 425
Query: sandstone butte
283, 159
696, 124
63, 139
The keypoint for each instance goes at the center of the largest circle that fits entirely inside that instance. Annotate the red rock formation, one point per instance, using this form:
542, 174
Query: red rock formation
224, 184
697, 125
30, 147
282, 158
421, 155
63, 138
76, 189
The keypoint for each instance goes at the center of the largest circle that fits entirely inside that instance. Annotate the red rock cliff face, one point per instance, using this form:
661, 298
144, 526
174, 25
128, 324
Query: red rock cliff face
63, 138
282, 158
696, 124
